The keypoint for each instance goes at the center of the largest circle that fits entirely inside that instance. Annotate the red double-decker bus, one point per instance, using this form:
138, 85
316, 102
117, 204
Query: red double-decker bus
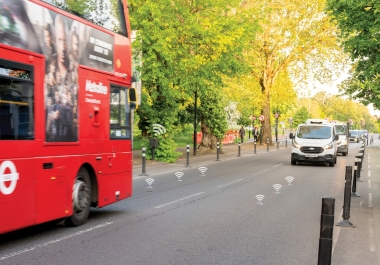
65, 109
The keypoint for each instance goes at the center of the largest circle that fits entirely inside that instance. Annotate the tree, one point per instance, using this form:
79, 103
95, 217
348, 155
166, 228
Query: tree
295, 34
300, 116
187, 46
359, 26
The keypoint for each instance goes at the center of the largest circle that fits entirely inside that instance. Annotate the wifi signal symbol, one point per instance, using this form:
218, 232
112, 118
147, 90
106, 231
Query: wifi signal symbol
289, 179
179, 175
202, 170
150, 182
158, 129
277, 188
260, 198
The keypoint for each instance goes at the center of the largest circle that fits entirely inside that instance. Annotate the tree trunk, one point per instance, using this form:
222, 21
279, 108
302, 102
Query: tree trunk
208, 143
267, 130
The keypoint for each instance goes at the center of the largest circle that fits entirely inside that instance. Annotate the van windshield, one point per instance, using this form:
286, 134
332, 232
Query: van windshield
340, 129
314, 132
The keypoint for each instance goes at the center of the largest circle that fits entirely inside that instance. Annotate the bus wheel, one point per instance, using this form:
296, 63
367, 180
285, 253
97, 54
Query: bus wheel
81, 199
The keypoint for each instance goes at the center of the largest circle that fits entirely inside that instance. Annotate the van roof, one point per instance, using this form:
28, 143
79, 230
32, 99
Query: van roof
316, 121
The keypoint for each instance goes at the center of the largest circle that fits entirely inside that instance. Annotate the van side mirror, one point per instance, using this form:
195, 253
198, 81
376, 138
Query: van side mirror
336, 138
291, 136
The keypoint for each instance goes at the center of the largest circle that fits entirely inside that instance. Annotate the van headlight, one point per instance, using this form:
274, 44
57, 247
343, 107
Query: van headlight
296, 145
328, 146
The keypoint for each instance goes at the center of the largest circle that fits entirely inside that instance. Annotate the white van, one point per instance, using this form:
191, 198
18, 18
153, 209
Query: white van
341, 129
315, 141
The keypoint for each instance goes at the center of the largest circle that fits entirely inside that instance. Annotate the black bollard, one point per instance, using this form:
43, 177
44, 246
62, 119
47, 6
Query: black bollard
278, 144
217, 151
286, 141
239, 150
360, 163
353, 193
347, 199
187, 155
326, 231
143, 162
267, 144
254, 146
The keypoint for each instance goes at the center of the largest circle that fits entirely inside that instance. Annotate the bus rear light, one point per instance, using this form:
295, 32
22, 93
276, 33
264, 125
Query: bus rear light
117, 195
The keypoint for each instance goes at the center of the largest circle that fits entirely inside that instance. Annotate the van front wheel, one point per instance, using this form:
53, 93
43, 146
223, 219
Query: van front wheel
293, 162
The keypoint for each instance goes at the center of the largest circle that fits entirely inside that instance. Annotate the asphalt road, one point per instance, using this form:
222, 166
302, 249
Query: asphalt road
215, 218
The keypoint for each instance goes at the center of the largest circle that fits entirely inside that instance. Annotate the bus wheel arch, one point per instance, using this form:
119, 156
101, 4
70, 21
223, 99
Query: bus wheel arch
94, 184
82, 196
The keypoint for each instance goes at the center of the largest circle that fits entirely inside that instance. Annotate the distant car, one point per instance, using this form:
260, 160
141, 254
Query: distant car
355, 136
365, 133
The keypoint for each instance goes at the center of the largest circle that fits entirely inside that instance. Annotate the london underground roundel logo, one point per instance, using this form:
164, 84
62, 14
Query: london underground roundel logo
11, 177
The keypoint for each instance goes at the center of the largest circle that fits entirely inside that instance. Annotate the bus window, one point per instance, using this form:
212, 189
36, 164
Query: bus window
16, 105
120, 124
108, 14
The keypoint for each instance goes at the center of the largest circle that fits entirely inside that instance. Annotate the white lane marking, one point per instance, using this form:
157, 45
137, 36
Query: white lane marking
185, 198
372, 245
369, 199
277, 165
369, 184
260, 172
369, 173
229, 183
369, 166
336, 234
53, 241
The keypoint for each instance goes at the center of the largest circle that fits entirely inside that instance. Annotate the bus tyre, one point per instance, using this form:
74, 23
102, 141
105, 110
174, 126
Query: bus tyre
80, 199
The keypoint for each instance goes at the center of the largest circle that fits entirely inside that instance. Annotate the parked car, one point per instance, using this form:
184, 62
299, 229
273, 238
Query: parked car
365, 133
341, 130
355, 136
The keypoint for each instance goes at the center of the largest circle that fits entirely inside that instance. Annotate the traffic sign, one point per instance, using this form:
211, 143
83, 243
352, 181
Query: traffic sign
261, 118
276, 115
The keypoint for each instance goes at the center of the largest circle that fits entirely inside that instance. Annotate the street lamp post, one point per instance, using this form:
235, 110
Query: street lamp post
290, 121
276, 115
249, 128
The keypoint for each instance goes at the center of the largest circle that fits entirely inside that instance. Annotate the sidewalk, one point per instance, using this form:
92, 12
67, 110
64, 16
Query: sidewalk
231, 149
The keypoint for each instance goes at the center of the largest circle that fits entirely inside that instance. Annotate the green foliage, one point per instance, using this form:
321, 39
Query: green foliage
213, 114
187, 46
164, 151
359, 26
300, 117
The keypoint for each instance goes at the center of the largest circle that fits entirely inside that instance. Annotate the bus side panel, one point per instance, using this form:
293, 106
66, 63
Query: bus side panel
52, 188
17, 188
113, 184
